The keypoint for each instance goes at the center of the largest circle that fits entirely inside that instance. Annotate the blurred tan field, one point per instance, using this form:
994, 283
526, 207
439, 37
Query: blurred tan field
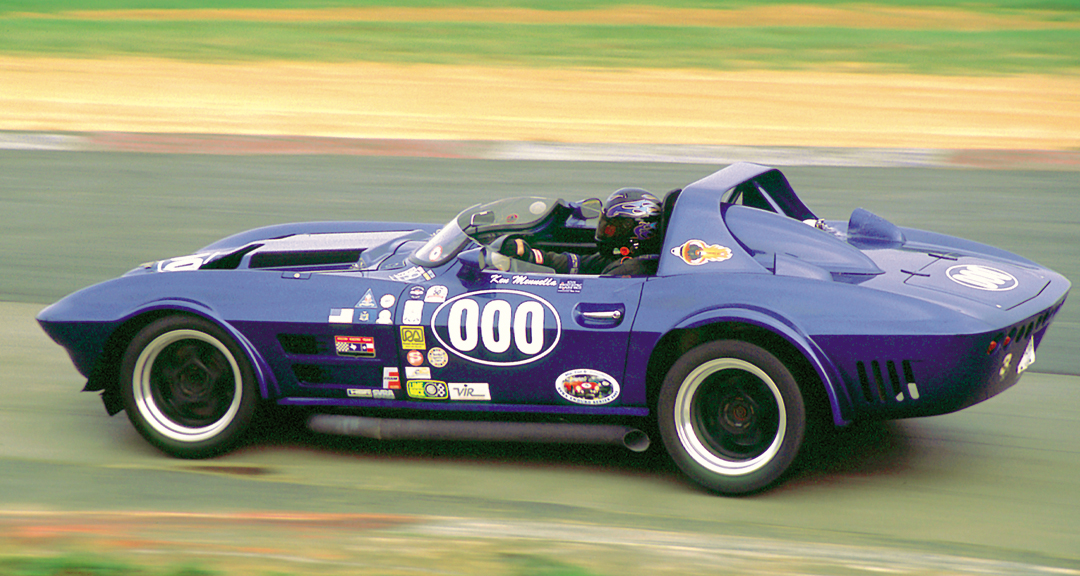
857, 15
565, 105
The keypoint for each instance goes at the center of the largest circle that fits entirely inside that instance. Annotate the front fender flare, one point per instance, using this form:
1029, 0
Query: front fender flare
268, 385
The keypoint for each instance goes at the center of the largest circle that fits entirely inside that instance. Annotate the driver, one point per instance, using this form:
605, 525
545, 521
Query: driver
627, 239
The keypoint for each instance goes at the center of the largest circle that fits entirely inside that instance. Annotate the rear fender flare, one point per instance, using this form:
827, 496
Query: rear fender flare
787, 330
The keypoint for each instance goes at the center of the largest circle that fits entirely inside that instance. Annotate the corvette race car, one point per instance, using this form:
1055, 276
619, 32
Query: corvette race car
759, 316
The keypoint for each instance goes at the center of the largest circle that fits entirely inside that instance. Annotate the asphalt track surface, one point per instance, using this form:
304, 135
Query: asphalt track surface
994, 489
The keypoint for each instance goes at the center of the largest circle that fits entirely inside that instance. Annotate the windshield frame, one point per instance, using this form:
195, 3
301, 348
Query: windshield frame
442, 247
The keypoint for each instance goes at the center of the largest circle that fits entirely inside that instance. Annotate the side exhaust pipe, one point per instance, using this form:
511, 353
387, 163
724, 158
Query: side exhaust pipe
539, 432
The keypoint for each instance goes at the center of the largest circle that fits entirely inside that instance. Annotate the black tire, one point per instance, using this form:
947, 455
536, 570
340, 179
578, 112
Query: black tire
731, 416
188, 388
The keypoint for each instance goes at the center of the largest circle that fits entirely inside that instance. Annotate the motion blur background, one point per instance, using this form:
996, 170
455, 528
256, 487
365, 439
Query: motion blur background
132, 130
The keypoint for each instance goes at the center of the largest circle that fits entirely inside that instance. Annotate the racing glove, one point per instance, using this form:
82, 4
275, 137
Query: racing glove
520, 249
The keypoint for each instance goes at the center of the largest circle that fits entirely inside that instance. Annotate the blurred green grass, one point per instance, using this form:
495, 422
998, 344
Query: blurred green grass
63, 5
1028, 47
87, 565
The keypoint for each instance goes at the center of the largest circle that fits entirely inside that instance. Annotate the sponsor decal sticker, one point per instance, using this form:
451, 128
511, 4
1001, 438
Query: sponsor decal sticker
427, 390
385, 317
416, 292
417, 373
391, 378
377, 393
387, 301
364, 316
413, 312
537, 207
340, 316
436, 294
982, 277
438, 357
435, 254
412, 338
414, 273
414, 357
357, 346
570, 287
497, 327
522, 280
1005, 364
697, 252
588, 387
367, 301
185, 263
469, 391
1028, 358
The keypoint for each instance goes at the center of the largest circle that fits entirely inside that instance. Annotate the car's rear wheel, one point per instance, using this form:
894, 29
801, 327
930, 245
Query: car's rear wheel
187, 386
731, 416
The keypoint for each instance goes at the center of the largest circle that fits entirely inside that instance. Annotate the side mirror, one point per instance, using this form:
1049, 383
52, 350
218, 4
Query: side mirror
482, 219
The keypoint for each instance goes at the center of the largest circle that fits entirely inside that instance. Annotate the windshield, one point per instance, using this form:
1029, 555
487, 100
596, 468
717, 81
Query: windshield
441, 247
483, 221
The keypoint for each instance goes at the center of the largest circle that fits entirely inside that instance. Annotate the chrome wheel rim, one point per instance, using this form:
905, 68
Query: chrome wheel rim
730, 416
187, 385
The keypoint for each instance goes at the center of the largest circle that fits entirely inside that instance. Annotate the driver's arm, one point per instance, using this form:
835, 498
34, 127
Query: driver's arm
562, 262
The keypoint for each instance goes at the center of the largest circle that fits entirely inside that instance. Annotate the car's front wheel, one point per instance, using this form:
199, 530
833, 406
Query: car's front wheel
187, 386
731, 416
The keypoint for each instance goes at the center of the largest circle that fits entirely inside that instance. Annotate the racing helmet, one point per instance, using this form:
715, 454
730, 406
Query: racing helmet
629, 222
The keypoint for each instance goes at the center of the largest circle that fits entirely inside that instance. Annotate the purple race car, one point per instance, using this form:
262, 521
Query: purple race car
758, 318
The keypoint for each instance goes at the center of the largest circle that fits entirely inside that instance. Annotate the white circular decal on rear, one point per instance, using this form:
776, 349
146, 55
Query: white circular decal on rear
585, 386
982, 277
497, 327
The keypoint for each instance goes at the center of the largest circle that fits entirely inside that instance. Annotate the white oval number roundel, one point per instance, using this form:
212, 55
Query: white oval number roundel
982, 277
503, 329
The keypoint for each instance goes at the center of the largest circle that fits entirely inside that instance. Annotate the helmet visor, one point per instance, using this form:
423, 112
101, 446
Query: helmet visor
614, 229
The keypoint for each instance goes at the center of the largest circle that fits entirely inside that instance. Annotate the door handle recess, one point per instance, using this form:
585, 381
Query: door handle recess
603, 315
599, 314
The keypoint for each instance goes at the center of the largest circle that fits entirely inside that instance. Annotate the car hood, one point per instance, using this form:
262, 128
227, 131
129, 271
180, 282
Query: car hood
991, 282
318, 245
869, 251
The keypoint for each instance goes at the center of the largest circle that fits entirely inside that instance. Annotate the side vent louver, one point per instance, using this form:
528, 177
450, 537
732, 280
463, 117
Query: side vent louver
889, 385
299, 344
312, 258
309, 374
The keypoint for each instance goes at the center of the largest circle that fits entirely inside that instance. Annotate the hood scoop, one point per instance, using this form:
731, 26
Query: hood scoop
320, 250
794, 246
867, 228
